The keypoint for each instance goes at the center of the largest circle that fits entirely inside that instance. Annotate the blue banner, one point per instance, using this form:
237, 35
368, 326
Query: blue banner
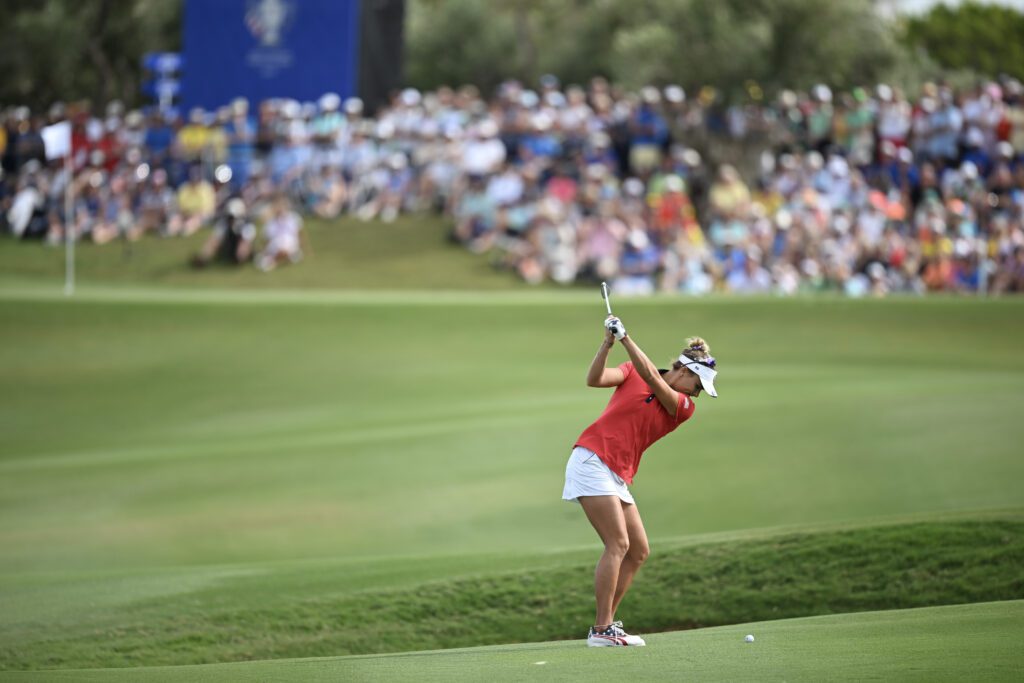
269, 48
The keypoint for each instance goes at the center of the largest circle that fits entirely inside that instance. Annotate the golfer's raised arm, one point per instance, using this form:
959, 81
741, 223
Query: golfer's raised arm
600, 376
667, 396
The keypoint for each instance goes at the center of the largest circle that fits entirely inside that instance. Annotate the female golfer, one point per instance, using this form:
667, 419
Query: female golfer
647, 404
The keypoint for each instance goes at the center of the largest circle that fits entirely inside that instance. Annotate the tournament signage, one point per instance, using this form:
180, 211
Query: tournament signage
164, 85
269, 48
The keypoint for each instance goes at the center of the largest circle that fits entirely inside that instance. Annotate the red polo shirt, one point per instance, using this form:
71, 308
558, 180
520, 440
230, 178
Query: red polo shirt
633, 419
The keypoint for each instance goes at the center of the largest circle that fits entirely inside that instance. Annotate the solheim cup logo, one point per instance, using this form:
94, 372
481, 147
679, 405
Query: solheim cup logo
268, 19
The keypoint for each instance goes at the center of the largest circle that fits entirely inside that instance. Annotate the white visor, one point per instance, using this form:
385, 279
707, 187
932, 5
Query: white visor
706, 374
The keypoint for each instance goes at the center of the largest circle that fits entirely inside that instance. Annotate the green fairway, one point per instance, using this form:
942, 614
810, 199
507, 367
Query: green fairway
192, 471
214, 475
970, 642
147, 433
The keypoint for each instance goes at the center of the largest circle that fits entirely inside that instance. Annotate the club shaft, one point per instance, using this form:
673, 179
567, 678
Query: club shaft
604, 294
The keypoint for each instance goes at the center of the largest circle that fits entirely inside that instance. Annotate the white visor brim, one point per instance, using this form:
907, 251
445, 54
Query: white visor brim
706, 374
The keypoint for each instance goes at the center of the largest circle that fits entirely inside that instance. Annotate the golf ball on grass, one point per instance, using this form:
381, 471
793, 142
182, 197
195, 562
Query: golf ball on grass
749, 639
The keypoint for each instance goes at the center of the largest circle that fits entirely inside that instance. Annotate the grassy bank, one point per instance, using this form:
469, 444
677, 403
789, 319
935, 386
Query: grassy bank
957, 643
265, 614
410, 253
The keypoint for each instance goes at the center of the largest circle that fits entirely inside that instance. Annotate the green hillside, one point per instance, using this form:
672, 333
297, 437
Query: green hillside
335, 607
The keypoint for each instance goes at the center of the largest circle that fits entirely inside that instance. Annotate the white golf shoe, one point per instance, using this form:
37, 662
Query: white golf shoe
613, 636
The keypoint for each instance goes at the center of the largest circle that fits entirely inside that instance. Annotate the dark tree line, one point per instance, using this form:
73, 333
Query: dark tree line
987, 39
60, 50
70, 49
725, 43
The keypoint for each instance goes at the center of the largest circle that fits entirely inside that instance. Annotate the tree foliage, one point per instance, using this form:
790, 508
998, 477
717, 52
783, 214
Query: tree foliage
778, 43
988, 39
458, 41
69, 49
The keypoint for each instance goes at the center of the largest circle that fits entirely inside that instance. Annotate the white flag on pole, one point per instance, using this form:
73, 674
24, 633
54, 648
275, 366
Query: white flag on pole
57, 142
57, 139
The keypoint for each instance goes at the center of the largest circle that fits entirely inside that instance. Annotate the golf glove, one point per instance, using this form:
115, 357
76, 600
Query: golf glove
615, 326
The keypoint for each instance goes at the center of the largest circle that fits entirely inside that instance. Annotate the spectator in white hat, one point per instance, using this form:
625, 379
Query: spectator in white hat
284, 237
232, 239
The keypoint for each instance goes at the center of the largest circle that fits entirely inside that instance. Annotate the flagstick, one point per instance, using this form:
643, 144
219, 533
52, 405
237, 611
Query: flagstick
69, 228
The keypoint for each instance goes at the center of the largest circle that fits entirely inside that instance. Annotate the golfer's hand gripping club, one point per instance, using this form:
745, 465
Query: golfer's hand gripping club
615, 327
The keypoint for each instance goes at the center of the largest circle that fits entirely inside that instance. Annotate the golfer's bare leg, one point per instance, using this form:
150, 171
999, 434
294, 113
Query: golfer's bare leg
635, 556
606, 515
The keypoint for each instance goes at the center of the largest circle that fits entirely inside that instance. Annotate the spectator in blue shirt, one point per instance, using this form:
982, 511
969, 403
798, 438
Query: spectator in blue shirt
648, 133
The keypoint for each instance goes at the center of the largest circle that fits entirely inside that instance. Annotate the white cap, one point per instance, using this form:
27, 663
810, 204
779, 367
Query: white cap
330, 101
675, 94
410, 97
353, 106
706, 374
235, 207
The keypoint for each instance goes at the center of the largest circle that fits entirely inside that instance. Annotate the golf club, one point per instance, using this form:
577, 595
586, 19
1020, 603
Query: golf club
604, 295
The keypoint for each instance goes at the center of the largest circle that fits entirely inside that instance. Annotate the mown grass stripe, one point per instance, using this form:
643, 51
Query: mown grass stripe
546, 296
271, 444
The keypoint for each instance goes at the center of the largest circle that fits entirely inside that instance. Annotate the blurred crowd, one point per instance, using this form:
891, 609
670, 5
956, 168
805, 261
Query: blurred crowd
865, 192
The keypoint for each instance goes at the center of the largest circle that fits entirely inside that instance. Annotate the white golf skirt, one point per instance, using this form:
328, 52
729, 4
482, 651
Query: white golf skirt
587, 475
